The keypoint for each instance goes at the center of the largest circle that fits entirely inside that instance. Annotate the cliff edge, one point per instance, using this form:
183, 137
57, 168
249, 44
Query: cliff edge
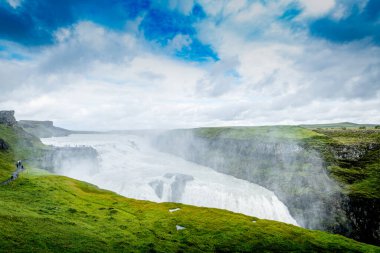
43, 129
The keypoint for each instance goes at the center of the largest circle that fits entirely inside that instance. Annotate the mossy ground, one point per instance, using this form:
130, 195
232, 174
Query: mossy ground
351, 135
48, 213
274, 132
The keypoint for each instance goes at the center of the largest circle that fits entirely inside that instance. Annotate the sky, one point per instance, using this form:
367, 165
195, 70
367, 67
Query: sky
148, 64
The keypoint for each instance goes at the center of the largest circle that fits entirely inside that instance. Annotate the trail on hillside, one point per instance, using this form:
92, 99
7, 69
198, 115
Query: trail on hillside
14, 176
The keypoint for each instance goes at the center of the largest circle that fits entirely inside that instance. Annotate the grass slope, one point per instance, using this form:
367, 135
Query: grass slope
48, 213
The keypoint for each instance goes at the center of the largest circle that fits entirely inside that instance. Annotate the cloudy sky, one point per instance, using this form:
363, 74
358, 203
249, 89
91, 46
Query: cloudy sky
127, 64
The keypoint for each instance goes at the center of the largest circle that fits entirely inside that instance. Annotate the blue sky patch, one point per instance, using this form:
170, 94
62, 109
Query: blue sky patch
162, 26
197, 51
358, 25
291, 13
35, 21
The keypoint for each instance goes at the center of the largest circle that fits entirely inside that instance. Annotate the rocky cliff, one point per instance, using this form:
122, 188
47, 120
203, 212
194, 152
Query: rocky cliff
43, 129
70, 158
358, 169
3, 145
7, 118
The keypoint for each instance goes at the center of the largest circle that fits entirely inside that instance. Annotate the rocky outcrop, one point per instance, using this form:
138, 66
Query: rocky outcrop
8, 118
352, 152
174, 182
3, 145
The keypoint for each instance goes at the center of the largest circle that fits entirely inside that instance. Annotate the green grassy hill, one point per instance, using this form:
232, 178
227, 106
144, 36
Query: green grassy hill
45, 213
340, 125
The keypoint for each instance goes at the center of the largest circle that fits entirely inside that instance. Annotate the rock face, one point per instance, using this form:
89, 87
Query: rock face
8, 118
73, 158
363, 211
3, 145
364, 215
352, 152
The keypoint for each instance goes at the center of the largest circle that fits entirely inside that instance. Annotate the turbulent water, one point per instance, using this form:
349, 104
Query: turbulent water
130, 166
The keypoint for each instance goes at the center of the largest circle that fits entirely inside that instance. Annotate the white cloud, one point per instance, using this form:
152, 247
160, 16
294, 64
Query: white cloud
179, 42
86, 43
268, 74
100, 80
285, 75
233, 7
15, 3
212, 7
254, 11
316, 8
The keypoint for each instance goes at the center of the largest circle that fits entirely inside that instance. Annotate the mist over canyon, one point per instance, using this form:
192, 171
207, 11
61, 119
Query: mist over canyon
286, 173
130, 166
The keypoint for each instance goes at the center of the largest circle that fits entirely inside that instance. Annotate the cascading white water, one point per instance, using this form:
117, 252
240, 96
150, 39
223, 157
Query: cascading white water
131, 167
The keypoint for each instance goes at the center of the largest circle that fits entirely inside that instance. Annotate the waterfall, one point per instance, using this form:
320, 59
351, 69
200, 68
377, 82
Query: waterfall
130, 166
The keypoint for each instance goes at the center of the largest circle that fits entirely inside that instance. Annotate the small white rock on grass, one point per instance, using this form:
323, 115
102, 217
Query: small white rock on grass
174, 210
178, 227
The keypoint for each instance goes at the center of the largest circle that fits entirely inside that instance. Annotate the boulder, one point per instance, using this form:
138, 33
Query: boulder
3, 145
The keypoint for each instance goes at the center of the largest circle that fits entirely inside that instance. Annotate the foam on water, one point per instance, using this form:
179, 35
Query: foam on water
131, 167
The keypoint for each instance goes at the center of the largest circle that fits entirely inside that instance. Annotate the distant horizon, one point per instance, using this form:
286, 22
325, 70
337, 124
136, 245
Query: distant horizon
216, 126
